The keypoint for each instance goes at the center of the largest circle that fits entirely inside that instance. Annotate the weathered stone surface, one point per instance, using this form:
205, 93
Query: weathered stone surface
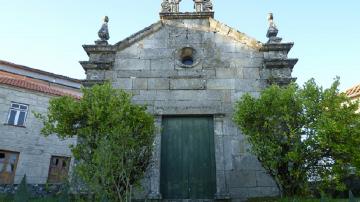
247, 162
220, 84
263, 179
139, 84
228, 156
123, 83
229, 73
187, 84
158, 84
187, 107
162, 64
251, 73
132, 64
241, 179
219, 152
248, 85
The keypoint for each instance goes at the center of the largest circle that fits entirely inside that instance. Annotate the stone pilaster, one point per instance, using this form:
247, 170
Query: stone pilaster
222, 185
155, 163
101, 59
277, 67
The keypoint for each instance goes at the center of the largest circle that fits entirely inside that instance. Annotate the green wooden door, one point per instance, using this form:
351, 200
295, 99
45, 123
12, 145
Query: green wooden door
187, 158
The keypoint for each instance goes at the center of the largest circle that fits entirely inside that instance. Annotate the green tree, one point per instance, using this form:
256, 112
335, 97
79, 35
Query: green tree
303, 134
114, 138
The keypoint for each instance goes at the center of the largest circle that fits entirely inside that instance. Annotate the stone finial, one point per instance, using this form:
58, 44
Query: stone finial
104, 32
273, 30
271, 20
207, 6
176, 7
198, 5
165, 6
170, 6
203, 5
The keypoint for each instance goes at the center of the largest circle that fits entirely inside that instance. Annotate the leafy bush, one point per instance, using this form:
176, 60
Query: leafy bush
303, 134
114, 138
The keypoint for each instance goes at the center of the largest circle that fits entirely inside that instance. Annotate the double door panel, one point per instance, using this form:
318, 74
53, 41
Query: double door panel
187, 158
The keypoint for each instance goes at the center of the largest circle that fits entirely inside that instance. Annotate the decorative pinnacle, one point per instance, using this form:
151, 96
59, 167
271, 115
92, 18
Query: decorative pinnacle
104, 30
272, 31
172, 6
271, 20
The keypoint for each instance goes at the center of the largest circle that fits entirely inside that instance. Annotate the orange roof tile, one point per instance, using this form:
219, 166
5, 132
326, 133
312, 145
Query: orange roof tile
353, 92
34, 85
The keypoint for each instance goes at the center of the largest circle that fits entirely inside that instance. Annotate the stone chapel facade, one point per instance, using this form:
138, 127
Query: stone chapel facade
190, 69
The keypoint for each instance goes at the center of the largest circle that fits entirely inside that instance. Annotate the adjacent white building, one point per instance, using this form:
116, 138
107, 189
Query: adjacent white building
23, 150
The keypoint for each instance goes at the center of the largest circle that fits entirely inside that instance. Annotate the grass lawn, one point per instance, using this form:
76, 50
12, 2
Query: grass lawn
4, 198
298, 200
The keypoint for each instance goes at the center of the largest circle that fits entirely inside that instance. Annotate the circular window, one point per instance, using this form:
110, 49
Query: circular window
187, 60
187, 57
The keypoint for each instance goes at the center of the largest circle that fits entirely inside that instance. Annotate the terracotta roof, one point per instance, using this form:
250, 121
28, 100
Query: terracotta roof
35, 85
353, 92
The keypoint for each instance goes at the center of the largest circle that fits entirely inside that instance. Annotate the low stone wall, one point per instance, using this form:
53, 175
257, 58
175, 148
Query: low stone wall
36, 190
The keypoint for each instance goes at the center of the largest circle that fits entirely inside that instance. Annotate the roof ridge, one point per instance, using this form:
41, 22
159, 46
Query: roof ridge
4, 62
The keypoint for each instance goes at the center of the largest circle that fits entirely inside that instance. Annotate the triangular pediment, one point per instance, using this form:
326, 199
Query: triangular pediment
211, 25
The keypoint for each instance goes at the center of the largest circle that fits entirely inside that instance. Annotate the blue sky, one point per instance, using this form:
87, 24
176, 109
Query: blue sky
48, 34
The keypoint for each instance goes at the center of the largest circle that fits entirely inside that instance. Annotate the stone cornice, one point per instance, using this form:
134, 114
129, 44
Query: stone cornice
280, 63
99, 49
96, 65
225, 30
138, 36
89, 83
187, 15
281, 81
276, 47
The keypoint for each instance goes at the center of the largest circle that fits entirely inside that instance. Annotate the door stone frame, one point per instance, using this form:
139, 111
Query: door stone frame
222, 188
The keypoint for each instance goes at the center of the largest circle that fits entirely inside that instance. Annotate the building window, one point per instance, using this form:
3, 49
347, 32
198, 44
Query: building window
8, 163
17, 114
187, 57
58, 170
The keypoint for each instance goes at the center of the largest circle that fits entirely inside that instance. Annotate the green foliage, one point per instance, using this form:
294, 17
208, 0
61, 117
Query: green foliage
22, 193
64, 195
114, 138
302, 134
